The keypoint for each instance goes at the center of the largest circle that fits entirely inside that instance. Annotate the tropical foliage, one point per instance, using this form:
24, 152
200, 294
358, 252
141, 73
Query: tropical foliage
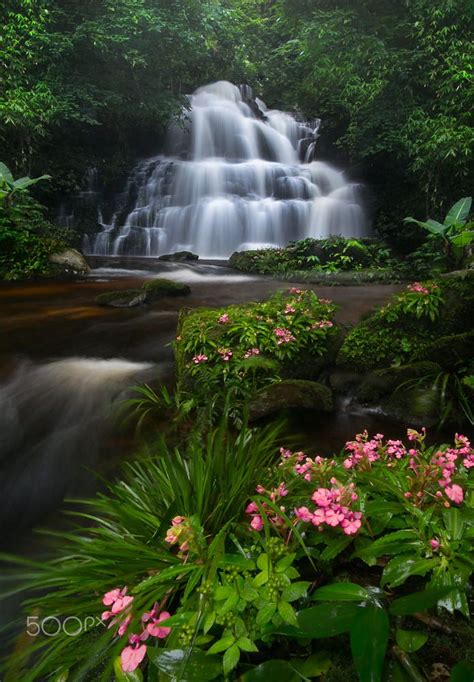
201, 572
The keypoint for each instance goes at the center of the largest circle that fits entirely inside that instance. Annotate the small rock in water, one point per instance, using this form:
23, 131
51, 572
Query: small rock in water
70, 258
127, 298
179, 256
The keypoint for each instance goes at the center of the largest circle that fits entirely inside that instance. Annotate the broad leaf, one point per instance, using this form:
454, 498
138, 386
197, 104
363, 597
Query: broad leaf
324, 620
410, 640
272, 670
418, 601
459, 212
462, 672
369, 638
401, 567
341, 592
187, 666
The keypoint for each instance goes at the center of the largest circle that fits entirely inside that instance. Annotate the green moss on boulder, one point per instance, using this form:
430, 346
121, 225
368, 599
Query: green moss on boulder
160, 288
291, 394
449, 351
382, 383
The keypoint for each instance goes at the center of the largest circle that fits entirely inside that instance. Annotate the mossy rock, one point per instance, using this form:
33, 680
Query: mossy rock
382, 383
291, 394
449, 351
179, 256
127, 298
160, 288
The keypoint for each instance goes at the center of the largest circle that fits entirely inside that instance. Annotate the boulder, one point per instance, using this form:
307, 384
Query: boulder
179, 256
127, 298
383, 382
70, 260
291, 394
159, 288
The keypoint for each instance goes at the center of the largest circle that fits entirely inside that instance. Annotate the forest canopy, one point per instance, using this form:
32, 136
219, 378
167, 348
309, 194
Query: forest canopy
97, 82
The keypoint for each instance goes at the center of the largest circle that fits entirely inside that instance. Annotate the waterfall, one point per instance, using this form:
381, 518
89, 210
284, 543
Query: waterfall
236, 176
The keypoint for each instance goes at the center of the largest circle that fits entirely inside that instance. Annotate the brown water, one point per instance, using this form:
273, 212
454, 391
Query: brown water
65, 362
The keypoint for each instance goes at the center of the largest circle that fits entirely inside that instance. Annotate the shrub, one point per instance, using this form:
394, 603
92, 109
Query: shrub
242, 348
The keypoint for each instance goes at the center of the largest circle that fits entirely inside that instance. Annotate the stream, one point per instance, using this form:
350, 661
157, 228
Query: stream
67, 363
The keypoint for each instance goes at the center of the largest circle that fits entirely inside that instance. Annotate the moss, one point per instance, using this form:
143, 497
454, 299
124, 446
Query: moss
127, 298
291, 394
159, 288
383, 382
449, 351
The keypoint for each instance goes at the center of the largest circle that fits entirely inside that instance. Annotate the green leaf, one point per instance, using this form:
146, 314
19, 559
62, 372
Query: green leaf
463, 239
401, 567
271, 670
369, 638
265, 614
341, 592
462, 672
260, 579
335, 547
223, 592
167, 574
5, 173
231, 658
324, 620
245, 644
120, 676
418, 601
230, 603
287, 612
284, 563
393, 543
209, 621
315, 665
454, 523
459, 212
249, 593
410, 640
221, 644
295, 591
192, 665
237, 560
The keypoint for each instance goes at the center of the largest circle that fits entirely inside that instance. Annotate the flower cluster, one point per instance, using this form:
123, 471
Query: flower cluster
181, 533
255, 512
250, 352
289, 309
120, 603
224, 319
429, 476
322, 324
283, 335
199, 359
308, 468
225, 354
333, 508
418, 288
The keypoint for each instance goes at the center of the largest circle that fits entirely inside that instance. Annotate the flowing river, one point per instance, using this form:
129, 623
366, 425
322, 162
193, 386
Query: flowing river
66, 364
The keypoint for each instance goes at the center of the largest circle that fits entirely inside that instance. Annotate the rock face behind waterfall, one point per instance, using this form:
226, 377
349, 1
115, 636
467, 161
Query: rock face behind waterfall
237, 176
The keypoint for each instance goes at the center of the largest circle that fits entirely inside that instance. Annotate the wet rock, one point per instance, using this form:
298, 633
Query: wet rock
70, 260
127, 298
291, 394
159, 288
383, 382
179, 256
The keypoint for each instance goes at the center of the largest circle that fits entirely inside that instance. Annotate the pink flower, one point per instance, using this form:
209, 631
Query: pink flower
260, 489
322, 497
455, 493
334, 516
303, 514
124, 625
199, 359
112, 596
155, 630
434, 544
120, 604
256, 523
285, 453
250, 352
251, 508
177, 520
294, 290
322, 324
133, 655
416, 287
319, 517
283, 335
351, 523
289, 309
224, 319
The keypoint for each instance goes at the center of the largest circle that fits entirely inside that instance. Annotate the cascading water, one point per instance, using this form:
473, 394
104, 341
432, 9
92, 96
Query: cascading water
237, 176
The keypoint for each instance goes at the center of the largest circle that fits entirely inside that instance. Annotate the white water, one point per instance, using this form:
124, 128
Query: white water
238, 176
